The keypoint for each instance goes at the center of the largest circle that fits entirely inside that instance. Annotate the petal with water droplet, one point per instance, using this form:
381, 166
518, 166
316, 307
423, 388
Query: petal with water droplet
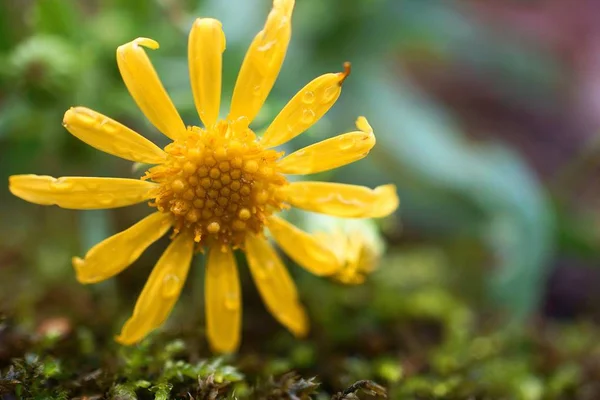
304, 109
329, 154
303, 248
161, 291
223, 303
111, 137
146, 89
262, 62
80, 193
275, 285
341, 200
205, 57
113, 255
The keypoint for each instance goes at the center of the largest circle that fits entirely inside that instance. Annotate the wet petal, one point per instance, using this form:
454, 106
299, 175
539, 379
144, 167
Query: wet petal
262, 62
113, 255
275, 285
160, 292
305, 108
303, 248
111, 137
205, 56
223, 301
146, 89
341, 200
81, 193
328, 154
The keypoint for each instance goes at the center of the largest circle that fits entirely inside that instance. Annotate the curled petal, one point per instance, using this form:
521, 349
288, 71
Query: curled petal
111, 137
80, 193
113, 255
303, 248
305, 108
205, 56
146, 89
329, 154
160, 292
341, 200
275, 285
262, 62
223, 302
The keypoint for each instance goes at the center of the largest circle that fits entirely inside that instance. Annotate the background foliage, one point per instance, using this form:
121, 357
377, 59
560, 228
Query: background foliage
486, 116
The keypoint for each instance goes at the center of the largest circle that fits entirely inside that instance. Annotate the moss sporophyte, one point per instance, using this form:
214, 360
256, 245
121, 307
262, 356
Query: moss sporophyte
218, 187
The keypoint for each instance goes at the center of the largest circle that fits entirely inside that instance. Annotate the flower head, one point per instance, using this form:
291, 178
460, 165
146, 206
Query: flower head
216, 187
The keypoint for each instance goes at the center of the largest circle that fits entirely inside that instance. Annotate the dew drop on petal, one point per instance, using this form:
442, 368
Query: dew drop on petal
308, 116
170, 286
61, 185
106, 200
330, 94
346, 143
266, 46
308, 97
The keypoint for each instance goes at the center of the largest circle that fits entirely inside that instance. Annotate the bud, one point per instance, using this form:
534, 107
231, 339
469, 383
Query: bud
357, 243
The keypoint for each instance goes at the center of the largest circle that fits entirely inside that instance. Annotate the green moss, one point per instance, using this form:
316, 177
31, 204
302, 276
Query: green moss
429, 343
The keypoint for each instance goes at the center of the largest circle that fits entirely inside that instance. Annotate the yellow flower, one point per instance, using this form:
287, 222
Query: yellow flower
218, 186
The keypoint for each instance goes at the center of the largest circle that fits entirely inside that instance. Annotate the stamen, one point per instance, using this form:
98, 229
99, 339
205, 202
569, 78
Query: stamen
219, 185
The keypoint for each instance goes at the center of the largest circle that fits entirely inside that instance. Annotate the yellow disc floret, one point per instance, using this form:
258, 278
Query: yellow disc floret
218, 183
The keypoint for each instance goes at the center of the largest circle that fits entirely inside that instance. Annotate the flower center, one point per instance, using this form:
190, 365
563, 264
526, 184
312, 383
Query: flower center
219, 184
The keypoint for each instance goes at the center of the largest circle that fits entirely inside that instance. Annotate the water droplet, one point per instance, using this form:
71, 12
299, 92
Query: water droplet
61, 185
309, 97
232, 301
330, 94
283, 21
308, 116
256, 90
170, 286
351, 202
345, 143
266, 46
105, 199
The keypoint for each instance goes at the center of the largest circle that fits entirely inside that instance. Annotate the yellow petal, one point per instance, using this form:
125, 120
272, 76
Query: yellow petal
80, 193
111, 137
328, 154
223, 302
305, 108
113, 255
160, 292
146, 89
275, 285
303, 248
205, 57
262, 62
341, 200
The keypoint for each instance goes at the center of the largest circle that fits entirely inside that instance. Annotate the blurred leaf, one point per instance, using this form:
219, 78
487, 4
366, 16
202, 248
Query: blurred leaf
425, 146
57, 17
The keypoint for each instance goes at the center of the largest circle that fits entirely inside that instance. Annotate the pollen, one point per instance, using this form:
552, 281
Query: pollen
219, 184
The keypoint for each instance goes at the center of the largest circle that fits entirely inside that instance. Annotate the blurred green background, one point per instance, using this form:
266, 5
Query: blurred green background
486, 116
